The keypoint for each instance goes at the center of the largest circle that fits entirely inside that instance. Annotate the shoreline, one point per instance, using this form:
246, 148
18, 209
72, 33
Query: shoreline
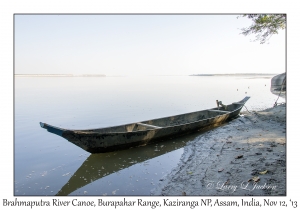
246, 156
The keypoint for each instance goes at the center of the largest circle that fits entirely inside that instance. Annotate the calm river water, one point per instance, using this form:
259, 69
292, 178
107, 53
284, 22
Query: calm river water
46, 164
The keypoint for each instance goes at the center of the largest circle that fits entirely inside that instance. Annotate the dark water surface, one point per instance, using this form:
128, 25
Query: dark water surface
46, 164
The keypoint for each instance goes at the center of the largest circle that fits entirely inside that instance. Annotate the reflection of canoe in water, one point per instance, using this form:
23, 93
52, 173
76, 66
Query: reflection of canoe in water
140, 133
97, 166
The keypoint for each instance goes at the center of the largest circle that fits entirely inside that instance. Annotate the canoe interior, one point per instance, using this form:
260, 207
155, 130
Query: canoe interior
166, 121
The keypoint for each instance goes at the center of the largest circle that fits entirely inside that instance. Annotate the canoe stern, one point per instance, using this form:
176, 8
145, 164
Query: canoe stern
52, 129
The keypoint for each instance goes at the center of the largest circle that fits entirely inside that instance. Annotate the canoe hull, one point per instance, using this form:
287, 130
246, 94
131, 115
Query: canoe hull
99, 143
136, 134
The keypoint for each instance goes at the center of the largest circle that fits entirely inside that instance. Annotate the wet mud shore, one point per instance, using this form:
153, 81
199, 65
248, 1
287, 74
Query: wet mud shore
246, 156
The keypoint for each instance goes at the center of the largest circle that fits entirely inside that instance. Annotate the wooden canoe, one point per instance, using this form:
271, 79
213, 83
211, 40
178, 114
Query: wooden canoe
140, 133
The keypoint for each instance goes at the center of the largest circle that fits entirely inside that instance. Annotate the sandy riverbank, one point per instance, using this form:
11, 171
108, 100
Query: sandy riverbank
247, 156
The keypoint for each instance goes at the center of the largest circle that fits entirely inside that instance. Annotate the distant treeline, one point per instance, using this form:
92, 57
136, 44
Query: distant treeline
239, 74
60, 75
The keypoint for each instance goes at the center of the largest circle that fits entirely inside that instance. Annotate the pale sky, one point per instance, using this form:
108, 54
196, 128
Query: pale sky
142, 45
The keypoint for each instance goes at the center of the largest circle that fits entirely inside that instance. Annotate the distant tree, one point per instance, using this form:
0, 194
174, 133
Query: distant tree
264, 26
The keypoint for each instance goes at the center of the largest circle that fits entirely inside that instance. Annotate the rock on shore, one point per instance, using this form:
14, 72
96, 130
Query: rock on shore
246, 156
